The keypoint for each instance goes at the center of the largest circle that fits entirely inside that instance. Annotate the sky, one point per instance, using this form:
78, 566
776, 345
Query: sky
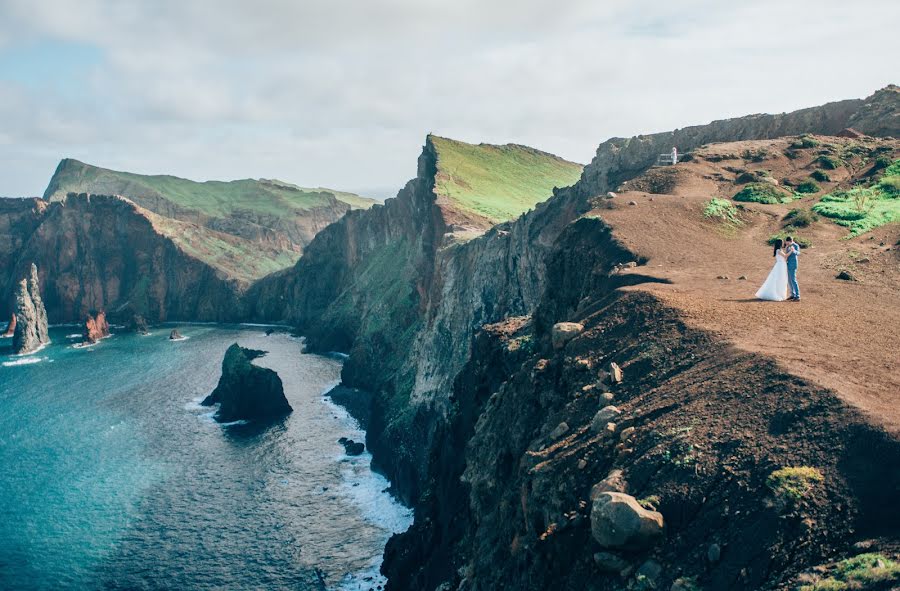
342, 93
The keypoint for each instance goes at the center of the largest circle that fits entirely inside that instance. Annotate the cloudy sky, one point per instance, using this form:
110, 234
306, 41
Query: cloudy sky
341, 93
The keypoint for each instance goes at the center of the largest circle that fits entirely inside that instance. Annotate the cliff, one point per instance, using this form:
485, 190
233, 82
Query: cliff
106, 253
245, 391
463, 435
245, 228
30, 332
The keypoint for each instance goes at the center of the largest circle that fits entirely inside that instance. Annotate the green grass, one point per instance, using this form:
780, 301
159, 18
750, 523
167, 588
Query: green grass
828, 162
859, 572
820, 175
794, 483
722, 210
862, 209
216, 199
805, 141
800, 218
762, 193
498, 182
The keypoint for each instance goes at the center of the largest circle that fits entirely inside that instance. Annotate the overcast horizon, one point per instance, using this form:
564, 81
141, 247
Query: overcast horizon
342, 94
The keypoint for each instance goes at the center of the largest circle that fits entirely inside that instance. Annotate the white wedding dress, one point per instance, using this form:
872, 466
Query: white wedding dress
776, 286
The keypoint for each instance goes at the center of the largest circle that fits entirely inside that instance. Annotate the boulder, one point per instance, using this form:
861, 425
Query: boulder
615, 373
31, 332
609, 562
175, 335
651, 571
95, 327
352, 448
614, 482
563, 332
713, 553
246, 391
845, 275
603, 416
619, 522
559, 431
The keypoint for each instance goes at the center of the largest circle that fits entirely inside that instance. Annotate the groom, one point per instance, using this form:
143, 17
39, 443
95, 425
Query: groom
793, 250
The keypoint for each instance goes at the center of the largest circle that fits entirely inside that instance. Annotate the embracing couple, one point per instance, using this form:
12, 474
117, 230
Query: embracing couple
783, 274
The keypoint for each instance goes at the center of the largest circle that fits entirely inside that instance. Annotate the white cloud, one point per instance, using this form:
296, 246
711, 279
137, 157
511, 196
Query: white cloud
342, 92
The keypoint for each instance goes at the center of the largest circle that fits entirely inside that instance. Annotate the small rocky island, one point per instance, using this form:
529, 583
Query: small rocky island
246, 391
95, 327
30, 332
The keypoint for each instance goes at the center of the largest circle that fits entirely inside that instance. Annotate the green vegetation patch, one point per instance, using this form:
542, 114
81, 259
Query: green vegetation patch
762, 193
791, 231
724, 211
498, 182
794, 483
859, 572
862, 209
805, 141
828, 162
820, 175
800, 218
808, 187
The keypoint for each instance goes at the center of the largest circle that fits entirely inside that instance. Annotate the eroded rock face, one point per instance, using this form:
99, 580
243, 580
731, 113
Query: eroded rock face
246, 391
31, 331
619, 522
10, 327
95, 327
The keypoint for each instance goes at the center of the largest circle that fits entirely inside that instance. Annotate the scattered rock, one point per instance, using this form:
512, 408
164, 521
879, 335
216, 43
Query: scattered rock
651, 571
563, 332
560, 430
626, 433
722, 277
609, 562
541, 364
864, 546
742, 278
615, 373
30, 331
863, 260
632, 203
610, 429
607, 397
769, 179
583, 364
603, 416
713, 553
95, 327
247, 391
845, 275
683, 584
352, 448
614, 482
611, 195
618, 521
582, 464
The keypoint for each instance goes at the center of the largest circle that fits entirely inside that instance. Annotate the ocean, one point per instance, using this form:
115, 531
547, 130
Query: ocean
112, 476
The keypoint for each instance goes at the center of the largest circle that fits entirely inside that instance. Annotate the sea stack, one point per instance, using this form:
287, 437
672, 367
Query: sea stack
175, 335
246, 391
95, 327
31, 318
10, 328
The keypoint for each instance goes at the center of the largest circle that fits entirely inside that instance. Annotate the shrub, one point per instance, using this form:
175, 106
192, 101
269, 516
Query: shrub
859, 572
792, 232
755, 155
746, 177
828, 162
805, 141
890, 184
793, 483
820, 175
760, 193
808, 187
881, 162
801, 218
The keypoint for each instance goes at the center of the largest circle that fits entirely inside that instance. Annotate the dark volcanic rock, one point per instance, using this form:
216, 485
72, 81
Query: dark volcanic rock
31, 317
246, 391
175, 335
353, 448
95, 327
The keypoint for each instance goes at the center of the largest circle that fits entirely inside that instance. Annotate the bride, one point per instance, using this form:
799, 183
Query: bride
776, 285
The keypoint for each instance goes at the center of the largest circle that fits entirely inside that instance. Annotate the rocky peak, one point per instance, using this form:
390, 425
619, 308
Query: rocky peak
246, 391
31, 331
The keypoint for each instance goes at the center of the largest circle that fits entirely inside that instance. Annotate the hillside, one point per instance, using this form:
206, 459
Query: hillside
497, 435
498, 183
264, 223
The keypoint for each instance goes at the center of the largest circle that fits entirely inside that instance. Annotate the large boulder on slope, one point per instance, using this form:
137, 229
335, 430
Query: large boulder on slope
246, 391
31, 330
563, 332
619, 522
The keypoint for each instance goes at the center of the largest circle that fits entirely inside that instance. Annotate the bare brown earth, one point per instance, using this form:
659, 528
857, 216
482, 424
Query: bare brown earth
842, 335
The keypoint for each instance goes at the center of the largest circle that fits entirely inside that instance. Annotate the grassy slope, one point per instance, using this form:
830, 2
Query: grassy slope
213, 198
863, 208
498, 182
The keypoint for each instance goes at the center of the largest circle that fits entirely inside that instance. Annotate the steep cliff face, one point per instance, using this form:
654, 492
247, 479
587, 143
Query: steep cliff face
30, 332
266, 223
245, 391
105, 253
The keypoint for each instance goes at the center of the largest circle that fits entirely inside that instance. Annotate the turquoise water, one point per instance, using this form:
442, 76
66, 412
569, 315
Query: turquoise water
113, 477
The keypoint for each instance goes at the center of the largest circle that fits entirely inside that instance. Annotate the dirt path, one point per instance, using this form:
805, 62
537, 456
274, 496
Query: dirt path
842, 335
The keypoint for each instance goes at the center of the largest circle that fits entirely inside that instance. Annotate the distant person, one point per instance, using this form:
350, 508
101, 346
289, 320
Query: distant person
775, 288
793, 251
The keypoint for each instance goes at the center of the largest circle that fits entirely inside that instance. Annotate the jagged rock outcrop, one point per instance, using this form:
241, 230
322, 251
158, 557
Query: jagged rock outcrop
31, 332
95, 327
246, 391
